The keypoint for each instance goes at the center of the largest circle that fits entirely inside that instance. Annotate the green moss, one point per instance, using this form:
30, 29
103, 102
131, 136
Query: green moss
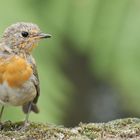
123, 128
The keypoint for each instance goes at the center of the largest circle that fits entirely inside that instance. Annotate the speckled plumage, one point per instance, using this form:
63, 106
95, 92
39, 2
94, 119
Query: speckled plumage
19, 83
12, 37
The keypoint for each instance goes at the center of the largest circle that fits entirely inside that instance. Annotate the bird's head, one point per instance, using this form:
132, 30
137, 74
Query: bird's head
23, 36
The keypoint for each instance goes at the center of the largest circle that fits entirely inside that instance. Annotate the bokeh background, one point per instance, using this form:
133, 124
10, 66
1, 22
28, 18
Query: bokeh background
90, 69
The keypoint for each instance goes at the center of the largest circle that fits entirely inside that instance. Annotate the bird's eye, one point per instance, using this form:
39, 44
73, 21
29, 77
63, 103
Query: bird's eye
25, 34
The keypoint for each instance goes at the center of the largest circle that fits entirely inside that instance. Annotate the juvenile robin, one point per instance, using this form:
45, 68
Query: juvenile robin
19, 83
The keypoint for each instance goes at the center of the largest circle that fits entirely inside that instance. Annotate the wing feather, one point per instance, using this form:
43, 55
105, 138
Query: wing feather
34, 107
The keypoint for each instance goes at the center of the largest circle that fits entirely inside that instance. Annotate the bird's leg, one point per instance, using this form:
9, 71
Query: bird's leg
27, 115
25, 124
1, 112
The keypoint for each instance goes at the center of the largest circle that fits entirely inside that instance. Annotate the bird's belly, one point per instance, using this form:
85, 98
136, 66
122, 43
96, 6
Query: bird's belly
17, 96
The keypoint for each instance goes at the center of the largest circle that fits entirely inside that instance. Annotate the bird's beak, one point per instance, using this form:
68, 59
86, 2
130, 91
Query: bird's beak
43, 35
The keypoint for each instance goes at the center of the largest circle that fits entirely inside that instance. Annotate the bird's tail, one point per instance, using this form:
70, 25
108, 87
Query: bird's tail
33, 107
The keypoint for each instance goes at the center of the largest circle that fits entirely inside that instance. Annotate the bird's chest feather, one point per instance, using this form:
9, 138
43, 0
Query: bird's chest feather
15, 71
16, 87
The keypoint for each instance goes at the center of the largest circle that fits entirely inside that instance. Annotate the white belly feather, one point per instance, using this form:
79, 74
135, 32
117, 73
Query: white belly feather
17, 96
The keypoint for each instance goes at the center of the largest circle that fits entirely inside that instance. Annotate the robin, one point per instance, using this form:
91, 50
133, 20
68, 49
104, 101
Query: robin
19, 82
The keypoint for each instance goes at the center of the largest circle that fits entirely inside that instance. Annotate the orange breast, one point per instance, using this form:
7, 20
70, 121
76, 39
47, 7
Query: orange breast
15, 71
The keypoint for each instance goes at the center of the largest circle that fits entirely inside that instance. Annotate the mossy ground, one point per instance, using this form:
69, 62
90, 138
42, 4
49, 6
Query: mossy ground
118, 129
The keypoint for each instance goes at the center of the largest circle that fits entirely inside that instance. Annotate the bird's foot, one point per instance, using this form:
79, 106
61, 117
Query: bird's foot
24, 126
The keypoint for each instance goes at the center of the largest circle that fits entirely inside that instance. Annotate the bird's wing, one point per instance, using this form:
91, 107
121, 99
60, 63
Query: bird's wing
36, 82
34, 107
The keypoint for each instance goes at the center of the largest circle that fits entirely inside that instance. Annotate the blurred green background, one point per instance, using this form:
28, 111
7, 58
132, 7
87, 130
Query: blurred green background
90, 69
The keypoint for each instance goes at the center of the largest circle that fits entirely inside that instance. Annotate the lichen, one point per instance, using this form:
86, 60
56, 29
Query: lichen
118, 129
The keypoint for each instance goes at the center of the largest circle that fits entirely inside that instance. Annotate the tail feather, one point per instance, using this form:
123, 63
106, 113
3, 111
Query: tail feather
34, 108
